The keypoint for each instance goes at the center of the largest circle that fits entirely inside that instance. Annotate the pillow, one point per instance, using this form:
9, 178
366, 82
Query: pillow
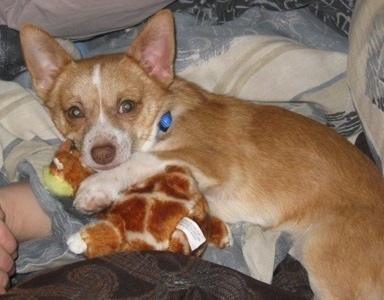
365, 71
77, 19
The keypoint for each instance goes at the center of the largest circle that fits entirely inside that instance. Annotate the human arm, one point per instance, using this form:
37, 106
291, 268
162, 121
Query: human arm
21, 219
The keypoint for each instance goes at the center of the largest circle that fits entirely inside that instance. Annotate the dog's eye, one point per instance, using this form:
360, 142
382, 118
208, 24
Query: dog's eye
75, 113
126, 106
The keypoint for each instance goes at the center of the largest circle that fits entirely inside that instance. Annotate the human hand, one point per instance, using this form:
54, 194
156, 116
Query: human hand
8, 253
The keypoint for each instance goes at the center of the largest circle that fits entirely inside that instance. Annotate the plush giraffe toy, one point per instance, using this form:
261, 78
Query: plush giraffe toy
165, 212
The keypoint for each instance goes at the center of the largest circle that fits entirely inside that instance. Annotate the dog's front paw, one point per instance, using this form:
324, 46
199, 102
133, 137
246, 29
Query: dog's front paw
95, 193
76, 244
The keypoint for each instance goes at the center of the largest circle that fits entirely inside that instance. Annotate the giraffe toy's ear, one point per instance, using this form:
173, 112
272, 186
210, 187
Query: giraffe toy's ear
65, 173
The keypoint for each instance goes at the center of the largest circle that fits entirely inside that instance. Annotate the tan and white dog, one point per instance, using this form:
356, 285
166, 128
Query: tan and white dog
131, 117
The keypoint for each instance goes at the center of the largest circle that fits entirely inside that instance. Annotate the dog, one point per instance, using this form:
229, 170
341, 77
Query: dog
131, 116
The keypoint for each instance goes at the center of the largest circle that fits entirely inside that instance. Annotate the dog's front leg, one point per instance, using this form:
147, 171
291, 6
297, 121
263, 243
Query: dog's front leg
99, 190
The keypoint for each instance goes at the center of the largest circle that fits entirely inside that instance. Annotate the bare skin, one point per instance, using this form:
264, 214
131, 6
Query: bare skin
21, 219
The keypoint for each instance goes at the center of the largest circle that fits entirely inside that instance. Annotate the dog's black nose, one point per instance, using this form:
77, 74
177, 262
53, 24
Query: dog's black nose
103, 154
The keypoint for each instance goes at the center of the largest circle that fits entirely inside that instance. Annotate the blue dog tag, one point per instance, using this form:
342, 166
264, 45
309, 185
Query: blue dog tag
165, 121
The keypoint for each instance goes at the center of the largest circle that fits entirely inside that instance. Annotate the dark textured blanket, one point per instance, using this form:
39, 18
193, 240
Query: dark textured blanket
146, 275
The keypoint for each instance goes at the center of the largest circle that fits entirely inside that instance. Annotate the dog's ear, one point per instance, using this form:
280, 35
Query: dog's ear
44, 58
154, 47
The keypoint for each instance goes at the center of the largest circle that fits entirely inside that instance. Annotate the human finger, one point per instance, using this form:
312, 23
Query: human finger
7, 240
7, 262
4, 282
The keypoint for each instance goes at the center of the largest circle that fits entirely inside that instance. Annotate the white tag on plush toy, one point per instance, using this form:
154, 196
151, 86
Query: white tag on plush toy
193, 232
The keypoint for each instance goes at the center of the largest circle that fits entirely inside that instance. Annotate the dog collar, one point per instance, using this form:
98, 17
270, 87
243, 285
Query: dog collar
165, 122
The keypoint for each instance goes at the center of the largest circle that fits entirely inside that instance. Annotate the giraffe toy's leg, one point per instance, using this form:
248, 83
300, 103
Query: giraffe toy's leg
96, 239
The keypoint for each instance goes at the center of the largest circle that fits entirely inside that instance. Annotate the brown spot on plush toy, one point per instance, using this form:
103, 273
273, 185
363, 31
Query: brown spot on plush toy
165, 212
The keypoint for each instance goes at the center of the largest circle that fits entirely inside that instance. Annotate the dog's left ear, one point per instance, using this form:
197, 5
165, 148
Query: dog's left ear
154, 47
